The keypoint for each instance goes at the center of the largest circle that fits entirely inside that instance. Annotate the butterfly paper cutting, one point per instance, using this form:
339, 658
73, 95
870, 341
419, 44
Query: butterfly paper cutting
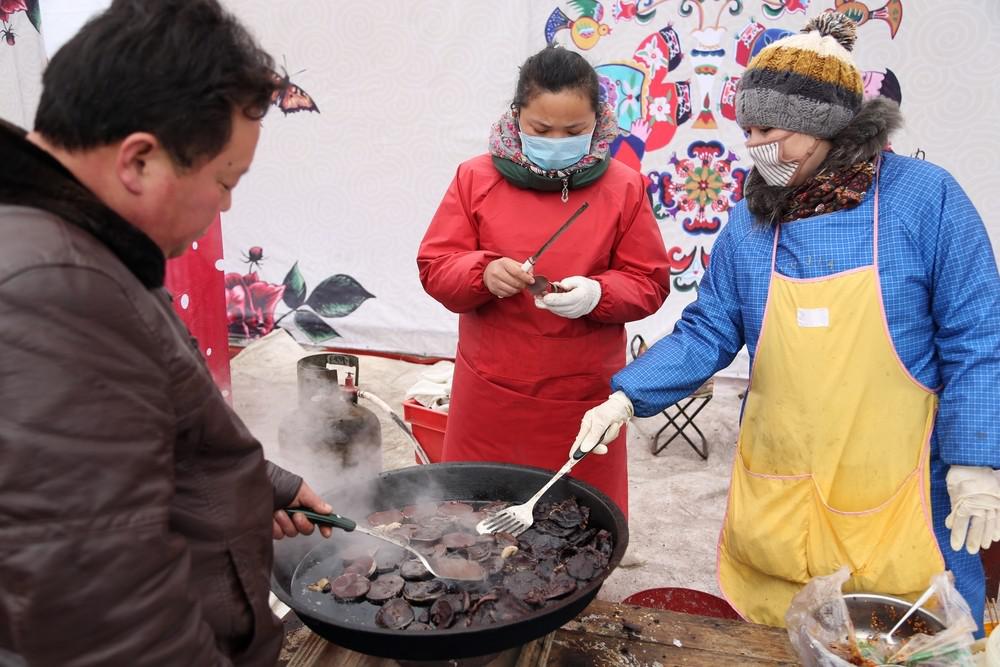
289, 97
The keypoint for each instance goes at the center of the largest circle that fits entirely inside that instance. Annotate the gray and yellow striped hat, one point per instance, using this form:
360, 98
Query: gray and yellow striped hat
804, 83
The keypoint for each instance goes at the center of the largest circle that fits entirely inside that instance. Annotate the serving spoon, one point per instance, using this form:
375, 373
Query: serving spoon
457, 569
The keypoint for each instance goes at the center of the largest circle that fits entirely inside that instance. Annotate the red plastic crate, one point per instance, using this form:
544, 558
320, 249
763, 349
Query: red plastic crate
428, 428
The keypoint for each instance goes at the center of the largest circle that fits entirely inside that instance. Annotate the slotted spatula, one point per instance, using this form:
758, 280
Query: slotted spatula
517, 519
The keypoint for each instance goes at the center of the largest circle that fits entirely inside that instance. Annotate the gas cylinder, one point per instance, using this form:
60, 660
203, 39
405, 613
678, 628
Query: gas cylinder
329, 436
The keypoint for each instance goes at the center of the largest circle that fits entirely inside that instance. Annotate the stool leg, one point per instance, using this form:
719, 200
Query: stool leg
672, 420
703, 450
657, 447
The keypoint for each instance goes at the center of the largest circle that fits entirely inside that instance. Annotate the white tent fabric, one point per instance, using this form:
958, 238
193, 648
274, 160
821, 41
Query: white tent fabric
406, 91
22, 60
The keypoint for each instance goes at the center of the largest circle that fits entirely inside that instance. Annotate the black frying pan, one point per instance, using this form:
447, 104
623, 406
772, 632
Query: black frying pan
470, 482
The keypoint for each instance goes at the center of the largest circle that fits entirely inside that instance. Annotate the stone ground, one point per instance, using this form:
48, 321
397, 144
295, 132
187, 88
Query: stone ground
676, 500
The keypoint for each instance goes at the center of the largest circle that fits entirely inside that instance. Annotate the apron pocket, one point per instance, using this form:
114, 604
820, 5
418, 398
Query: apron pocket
890, 549
767, 523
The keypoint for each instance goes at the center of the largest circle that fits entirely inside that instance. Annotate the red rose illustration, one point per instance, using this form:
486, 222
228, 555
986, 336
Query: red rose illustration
250, 304
8, 7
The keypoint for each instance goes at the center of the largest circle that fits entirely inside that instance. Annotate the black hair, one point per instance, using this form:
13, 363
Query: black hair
554, 69
177, 69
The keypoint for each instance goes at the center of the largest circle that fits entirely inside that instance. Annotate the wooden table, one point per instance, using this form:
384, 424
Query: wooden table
606, 634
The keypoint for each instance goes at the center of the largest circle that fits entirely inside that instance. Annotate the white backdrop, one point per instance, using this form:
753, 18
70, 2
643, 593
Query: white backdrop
22, 60
406, 91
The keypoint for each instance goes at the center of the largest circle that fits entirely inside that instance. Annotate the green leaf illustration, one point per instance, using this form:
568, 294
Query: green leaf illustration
338, 296
295, 287
314, 327
34, 14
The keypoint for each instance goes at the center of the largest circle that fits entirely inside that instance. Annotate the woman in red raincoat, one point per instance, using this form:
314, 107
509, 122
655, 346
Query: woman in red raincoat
528, 368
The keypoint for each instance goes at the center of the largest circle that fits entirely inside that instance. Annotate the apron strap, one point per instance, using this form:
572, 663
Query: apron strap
878, 164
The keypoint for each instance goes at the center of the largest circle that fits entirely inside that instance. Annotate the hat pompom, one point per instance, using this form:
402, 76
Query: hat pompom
836, 25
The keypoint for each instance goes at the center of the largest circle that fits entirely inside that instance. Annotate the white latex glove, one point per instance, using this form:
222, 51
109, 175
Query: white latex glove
975, 506
602, 424
581, 297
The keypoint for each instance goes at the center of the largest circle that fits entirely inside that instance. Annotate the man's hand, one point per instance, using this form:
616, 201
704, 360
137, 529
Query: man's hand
975, 506
504, 277
601, 425
578, 297
291, 526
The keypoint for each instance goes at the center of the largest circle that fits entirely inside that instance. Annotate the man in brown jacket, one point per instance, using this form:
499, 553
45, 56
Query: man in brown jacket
136, 510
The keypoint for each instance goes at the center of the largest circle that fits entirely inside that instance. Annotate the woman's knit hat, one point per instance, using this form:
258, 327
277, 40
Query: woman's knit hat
805, 83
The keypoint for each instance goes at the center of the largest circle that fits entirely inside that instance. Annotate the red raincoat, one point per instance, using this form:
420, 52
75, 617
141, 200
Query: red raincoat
524, 376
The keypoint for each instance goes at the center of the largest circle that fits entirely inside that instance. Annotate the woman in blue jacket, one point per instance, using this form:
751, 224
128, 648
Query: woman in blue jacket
864, 287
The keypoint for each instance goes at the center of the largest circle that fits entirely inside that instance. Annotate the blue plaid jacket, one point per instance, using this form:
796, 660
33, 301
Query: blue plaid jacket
941, 293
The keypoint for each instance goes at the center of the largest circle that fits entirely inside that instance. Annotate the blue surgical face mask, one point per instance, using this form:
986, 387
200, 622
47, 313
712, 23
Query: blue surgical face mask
550, 154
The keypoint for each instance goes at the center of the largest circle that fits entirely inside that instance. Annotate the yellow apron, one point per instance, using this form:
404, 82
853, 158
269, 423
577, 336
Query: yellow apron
832, 458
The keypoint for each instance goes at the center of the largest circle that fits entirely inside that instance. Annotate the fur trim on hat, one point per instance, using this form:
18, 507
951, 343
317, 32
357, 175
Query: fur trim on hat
863, 139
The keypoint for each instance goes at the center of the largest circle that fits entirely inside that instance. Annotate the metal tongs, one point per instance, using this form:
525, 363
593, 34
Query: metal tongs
442, 568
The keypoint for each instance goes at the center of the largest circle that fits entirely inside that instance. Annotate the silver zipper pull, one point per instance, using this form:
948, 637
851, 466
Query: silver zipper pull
565, 192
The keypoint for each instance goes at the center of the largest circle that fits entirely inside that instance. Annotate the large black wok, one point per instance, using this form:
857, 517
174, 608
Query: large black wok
445, 481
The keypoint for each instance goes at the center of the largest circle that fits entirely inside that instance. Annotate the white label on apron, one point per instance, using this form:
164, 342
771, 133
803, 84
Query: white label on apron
814, 317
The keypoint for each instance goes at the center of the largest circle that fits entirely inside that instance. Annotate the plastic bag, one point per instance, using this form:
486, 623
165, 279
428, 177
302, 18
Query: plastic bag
818, 618
821, 632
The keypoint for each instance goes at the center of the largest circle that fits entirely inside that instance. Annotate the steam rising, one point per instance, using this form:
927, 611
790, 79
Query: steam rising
334, 445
